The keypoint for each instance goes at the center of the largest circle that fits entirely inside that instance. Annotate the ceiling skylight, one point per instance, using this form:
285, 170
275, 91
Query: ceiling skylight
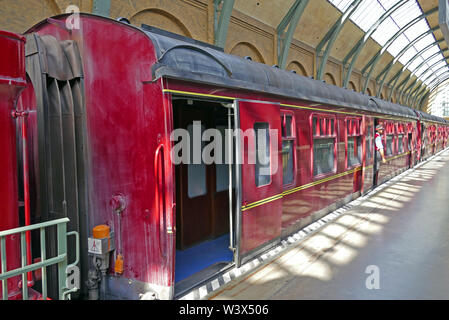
369, 12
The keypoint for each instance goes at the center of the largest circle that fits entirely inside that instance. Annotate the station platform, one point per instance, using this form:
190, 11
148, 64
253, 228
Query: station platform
392, 243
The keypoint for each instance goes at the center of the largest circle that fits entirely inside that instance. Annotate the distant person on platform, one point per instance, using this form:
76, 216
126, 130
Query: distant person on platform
378, 141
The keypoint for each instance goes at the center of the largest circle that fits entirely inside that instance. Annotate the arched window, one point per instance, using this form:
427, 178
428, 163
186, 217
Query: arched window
244, 49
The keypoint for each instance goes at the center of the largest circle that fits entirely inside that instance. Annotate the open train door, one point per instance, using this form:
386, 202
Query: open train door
259, 200
376, 163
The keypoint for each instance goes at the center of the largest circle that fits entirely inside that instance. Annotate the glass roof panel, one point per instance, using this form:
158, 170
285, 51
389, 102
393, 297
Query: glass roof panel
369, 12
431, 51
400, 43
415, 63
385, 31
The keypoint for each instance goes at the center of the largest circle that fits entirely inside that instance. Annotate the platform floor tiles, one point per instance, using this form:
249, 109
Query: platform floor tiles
394, 245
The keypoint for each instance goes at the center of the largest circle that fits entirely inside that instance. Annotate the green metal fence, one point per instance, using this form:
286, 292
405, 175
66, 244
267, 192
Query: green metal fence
61, 260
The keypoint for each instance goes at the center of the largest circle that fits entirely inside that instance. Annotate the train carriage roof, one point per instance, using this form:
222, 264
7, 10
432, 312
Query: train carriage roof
429, 117
190, 60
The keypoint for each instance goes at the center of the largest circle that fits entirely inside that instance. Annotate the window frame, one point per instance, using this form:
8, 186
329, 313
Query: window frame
293, 138
189, 166
356, 132
314, 135
409, 142
390, 130
369, 142
401, 130
256, 158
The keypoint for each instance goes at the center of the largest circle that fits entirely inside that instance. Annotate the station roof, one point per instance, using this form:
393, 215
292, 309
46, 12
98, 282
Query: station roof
397, 43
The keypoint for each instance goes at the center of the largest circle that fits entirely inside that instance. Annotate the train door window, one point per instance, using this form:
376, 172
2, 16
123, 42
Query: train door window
262, 155
409, 137
400, 143
353, 141
324, 143
389, 139
400, 138
222, 164
369, 143
288, 148
196, 172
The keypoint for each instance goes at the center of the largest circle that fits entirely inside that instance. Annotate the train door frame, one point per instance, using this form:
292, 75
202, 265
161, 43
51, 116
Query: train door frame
254, 198
409, 144
376, 163
234, 183
423, 140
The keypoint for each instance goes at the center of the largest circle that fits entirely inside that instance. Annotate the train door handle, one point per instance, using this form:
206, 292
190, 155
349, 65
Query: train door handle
160, 194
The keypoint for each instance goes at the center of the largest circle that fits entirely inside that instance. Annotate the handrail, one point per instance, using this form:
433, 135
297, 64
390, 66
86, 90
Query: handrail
160, 193
33, 227
60, 260
32, 267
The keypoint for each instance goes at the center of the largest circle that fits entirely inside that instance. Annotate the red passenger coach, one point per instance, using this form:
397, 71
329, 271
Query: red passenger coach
126, 122
12, 82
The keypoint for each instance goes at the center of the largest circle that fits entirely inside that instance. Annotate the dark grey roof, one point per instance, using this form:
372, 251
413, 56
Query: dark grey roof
186, 59
430, 117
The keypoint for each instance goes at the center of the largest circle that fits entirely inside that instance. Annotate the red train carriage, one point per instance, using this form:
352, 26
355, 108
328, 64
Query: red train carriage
111, 114
12, 82
429, 128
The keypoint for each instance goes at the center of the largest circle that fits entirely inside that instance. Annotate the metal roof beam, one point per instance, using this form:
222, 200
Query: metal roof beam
291, 21
371, 65
417, 97
221, 24
330, 37
357, 49
421, 101
403, 51
420, 97
387, 69
423, 84
410, 88
434, 85
405, 81
394, 80
412, 95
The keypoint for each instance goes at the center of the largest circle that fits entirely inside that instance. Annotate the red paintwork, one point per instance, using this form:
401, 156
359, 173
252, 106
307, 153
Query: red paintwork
126, 123
26, 185
27, 104
12, 81
263, 223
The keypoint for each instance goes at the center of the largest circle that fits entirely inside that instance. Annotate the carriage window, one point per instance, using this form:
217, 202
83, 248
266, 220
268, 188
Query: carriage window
196, 172
262, 134
323, 151
324, 136
409, 141
369, 143
400, 143
390, 137
288, 149
389, 145
354, 151
354, 141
